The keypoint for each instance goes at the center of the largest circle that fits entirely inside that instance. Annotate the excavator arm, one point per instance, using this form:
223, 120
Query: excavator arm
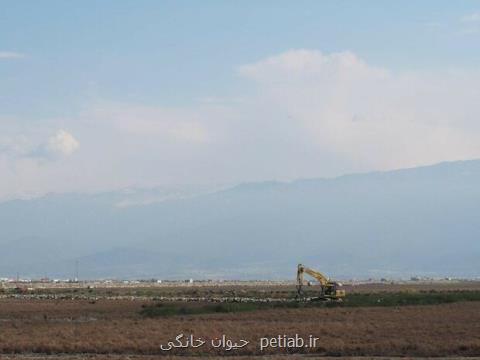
315, 274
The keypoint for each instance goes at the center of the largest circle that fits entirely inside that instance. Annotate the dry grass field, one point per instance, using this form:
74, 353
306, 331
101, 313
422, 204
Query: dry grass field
179, 357
114, 329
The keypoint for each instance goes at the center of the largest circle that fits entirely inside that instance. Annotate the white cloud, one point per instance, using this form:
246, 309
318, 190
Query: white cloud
473, 17
11, 55
305, 114
303, 64
61, 144
370, 115
30, 164
167, 124
301, 113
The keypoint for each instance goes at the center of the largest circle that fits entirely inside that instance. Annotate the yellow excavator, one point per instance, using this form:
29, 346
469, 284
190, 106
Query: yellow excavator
329, 290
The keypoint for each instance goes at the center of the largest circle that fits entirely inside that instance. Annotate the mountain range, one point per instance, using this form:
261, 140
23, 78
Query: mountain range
417, 221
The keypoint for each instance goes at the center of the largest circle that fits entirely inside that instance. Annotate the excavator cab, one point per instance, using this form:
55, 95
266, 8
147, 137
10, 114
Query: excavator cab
333, 290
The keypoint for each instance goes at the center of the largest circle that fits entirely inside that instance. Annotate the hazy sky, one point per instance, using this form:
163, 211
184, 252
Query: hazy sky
106, 94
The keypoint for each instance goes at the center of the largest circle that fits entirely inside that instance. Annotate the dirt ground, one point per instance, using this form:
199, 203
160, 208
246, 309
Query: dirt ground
266, 357
112, 328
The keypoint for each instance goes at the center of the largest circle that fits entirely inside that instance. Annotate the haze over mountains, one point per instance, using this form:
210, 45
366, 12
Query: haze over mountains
420, 221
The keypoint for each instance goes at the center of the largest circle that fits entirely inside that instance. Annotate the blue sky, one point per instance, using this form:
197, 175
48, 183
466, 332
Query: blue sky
63, 61
170, 52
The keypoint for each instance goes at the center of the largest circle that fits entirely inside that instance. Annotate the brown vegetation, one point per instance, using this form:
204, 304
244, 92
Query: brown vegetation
115, 327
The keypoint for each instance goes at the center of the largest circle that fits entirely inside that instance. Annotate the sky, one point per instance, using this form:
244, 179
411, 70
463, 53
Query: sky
102, 95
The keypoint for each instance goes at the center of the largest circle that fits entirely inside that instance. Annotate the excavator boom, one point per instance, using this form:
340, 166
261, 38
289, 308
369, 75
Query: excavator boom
329, 289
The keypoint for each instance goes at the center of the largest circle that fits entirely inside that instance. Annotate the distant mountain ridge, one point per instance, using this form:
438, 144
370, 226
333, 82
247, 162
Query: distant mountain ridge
418, 221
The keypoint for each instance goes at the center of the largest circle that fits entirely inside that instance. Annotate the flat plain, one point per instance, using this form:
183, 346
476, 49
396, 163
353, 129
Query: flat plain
69, 327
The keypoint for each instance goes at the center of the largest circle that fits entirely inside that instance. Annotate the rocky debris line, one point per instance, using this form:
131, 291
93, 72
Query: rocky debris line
144, 298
